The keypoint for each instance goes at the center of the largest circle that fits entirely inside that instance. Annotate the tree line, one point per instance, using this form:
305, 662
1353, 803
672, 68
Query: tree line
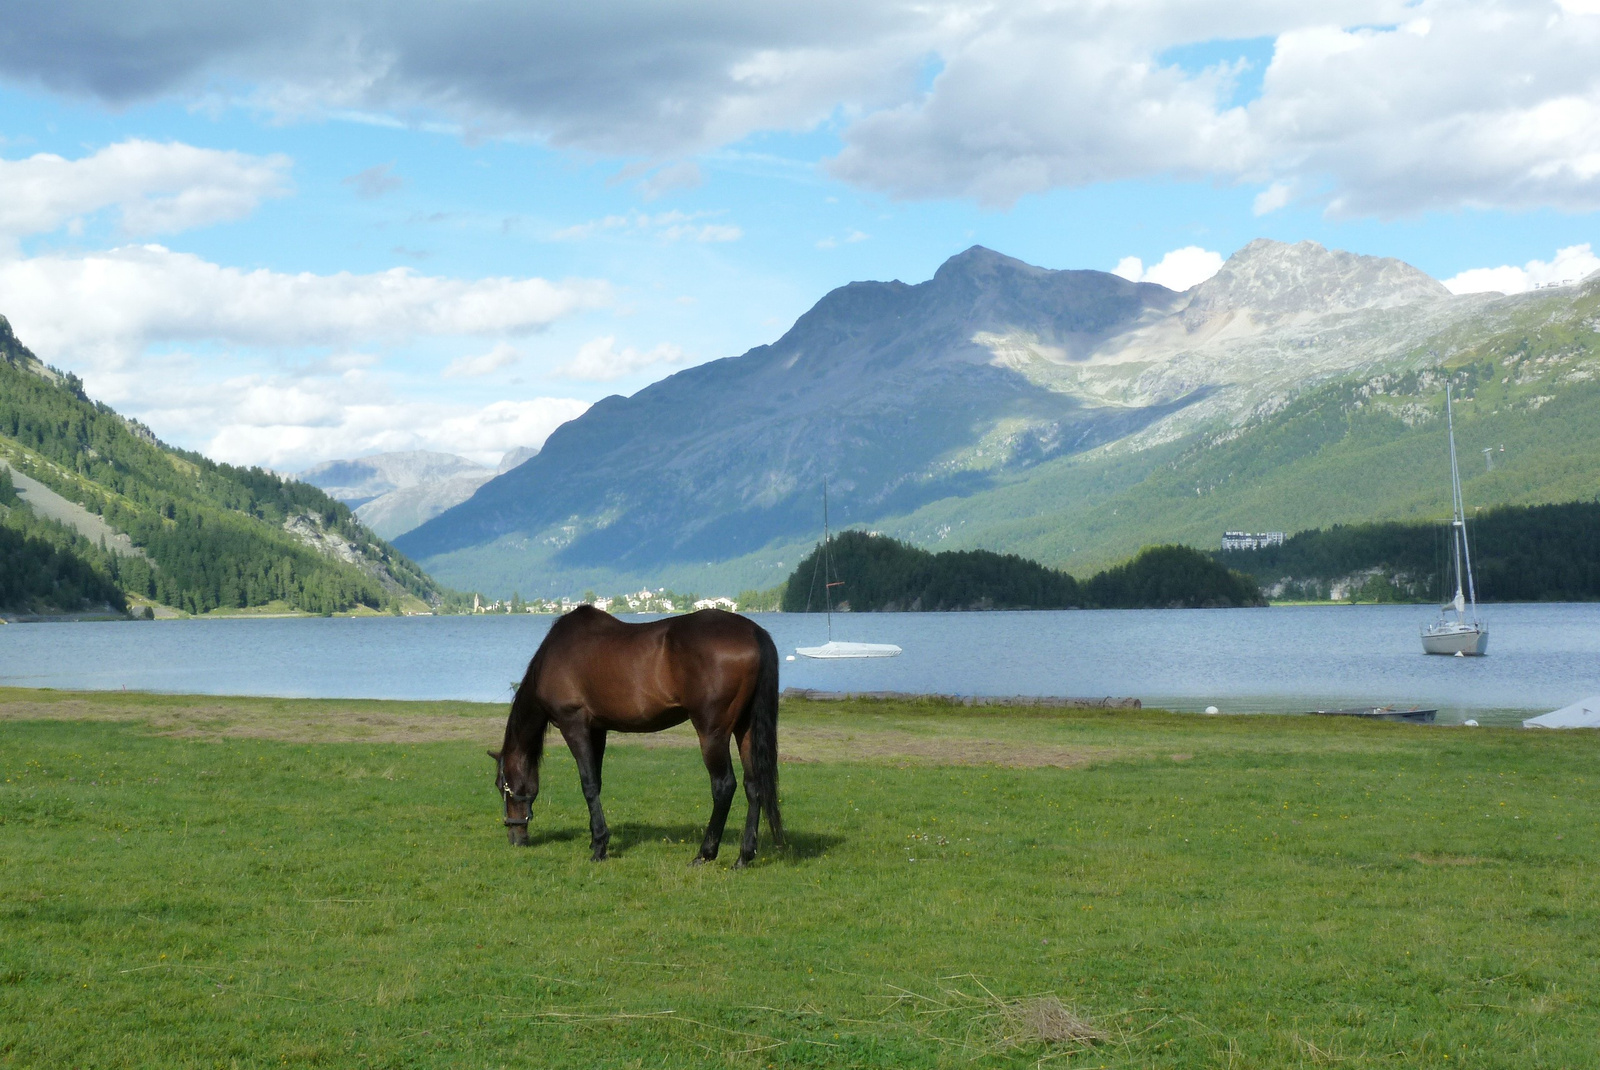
868, 572
1520, 553
46, 567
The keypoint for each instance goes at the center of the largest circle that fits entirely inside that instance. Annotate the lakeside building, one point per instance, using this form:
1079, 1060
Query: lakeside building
1251, 540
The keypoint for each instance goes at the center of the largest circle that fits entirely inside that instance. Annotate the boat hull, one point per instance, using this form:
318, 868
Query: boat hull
848, 650
1473, 642
1413, 715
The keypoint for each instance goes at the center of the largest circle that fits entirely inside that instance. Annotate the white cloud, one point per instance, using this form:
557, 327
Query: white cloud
156, 187
1178, 270
850, 238
1275, 196
1442, 104
1568, 265
668, 226
501, 356
1130, 268
671, 178
259, 422
345, 406
599, 360
107, 305
374, 182
1379, 107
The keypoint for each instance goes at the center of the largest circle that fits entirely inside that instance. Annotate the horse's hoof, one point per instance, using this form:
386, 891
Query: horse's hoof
743, 863
699, 860
599, 856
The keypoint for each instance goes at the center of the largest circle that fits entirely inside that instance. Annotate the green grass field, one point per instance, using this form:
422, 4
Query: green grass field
218, 882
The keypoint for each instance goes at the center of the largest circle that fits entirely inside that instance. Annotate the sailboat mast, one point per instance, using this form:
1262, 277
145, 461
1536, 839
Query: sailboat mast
1457, 519
1461, 512
827, 587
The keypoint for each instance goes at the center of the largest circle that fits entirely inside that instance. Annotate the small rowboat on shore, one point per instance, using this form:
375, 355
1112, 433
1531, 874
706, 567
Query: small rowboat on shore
1413, 714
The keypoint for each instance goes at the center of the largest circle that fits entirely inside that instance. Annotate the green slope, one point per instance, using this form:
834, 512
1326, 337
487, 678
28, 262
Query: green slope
209, 536
1368, 448
48, 568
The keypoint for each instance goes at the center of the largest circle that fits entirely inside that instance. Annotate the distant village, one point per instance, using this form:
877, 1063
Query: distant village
1251, 540
659, 600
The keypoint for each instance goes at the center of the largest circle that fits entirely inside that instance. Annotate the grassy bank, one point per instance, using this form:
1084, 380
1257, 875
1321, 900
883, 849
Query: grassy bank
201, 882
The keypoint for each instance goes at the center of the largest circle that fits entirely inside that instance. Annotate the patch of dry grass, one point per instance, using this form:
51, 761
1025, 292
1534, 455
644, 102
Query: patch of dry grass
481, 724
966, 1013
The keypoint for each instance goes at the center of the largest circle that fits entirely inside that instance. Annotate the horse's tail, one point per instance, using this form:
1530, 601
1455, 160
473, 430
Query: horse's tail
764, 734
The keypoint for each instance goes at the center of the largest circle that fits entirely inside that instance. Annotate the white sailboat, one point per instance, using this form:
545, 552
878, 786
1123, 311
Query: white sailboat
1465, 634
833, 648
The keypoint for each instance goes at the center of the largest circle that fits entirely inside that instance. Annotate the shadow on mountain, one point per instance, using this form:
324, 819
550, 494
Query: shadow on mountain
673, 524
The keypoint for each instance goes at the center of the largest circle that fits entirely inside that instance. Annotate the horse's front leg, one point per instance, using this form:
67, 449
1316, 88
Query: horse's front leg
588, 746
714, 749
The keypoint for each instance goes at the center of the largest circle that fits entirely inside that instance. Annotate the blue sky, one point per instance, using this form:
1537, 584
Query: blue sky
281, 250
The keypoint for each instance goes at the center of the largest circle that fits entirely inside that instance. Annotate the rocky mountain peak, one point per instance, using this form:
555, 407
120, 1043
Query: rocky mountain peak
981, 263
515, 457
356, 482
1274, 279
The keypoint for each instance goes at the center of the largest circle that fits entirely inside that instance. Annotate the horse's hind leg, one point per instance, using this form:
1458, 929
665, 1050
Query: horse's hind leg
714, 749
588, 746
752, 821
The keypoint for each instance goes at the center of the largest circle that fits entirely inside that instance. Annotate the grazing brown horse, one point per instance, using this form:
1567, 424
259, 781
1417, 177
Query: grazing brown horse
595, 674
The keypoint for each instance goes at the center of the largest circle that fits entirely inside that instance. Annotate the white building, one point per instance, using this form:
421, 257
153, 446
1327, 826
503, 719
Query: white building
718, 603
1248, 540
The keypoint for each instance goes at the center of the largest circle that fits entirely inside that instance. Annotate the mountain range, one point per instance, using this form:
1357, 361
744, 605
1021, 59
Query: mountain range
1071, 416
391, 493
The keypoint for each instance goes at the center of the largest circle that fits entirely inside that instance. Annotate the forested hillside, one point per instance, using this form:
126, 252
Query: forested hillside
46, 567
875, 573
211, 535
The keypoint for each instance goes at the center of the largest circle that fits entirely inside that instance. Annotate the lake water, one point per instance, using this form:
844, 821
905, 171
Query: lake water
1241, 660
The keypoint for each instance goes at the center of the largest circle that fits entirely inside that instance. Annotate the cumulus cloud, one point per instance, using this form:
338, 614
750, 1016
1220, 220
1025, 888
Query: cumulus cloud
290, 422
599, 360
1178, 270
1369, 107
1444, 104
1568, 265
659, 78
155, 187
102, 306
501, 356
668, 226
1275, 196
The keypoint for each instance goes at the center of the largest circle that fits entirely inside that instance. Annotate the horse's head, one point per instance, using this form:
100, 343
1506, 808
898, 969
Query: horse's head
517, 780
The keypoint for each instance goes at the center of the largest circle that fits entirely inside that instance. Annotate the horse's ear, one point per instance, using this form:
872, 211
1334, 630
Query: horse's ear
495, 755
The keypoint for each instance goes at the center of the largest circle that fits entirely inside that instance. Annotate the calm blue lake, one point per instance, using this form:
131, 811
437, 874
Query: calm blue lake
1251, 660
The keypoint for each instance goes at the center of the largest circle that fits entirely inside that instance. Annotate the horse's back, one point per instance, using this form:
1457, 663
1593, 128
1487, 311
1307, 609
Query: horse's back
644, 677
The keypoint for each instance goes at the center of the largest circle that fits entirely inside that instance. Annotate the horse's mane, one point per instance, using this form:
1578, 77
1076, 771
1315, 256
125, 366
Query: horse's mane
530, 717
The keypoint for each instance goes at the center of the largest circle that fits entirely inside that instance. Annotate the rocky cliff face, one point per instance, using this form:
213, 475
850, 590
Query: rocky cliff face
1272, 280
